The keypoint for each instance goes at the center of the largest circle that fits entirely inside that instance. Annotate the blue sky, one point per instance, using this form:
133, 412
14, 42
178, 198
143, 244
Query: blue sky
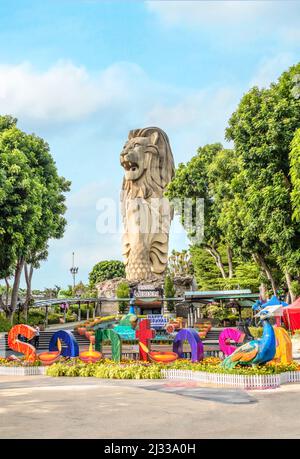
81, 73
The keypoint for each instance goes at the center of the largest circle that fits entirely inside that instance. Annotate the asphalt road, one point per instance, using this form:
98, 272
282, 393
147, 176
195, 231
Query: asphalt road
44, 407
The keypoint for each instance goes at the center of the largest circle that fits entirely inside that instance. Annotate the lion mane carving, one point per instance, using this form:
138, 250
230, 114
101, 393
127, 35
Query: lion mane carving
148, 166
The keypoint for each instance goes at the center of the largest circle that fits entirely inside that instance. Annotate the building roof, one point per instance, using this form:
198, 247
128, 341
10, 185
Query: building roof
210, 296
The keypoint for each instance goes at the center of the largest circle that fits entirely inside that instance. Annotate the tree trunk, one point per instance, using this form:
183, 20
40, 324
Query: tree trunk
263, 291
289, 285
28, 278
7, 292
4, 303
15, 289
230, 263
259, 259
218, 260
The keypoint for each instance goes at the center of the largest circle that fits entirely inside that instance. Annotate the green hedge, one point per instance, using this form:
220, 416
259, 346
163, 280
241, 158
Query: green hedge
107, 269
108, 370
142, 370
5, 324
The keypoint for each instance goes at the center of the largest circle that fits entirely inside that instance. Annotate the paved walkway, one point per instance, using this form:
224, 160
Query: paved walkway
44, 407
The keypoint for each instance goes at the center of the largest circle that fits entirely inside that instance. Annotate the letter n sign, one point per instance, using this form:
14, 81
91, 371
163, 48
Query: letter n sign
190, 335
114, 338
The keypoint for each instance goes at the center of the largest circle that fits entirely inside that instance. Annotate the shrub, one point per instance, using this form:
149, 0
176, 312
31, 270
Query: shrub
5, 324
58, 369
71, 317
122, 291
108, 369
35, 316
295, 287
105, 270
169, 292
54, 318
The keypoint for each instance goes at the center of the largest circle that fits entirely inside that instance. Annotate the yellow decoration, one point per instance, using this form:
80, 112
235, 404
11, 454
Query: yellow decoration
283, 346
144, 347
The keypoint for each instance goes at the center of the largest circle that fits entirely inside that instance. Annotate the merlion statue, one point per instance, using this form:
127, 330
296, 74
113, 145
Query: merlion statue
148, 168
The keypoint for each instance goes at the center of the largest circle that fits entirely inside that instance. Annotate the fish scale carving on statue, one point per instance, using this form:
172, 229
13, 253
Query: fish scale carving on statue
148, 166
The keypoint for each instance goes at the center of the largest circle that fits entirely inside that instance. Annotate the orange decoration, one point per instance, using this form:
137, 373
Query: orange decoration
284, 353
19, 346
47, 358
163, 357
90, 356
157, 356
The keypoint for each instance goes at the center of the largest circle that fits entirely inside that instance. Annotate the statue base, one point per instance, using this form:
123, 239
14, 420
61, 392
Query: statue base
107, 289
148, 294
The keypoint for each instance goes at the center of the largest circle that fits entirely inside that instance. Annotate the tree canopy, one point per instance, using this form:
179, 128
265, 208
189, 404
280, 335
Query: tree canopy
32, 200
252, 191
105, 270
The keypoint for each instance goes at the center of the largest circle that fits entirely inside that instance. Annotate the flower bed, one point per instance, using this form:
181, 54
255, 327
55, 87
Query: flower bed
107, 369
207, 371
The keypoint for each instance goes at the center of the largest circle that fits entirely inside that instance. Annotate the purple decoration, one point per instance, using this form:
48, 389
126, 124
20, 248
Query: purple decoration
190, 335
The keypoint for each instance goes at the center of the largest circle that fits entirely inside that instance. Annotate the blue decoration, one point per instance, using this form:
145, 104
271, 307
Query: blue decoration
257, 305
274, 301
257, 351
131, 309
72, 349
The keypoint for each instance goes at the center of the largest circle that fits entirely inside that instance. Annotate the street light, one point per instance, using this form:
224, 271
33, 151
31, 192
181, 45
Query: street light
73, 270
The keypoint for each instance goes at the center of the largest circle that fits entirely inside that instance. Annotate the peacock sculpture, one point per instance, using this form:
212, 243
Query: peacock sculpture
257, 351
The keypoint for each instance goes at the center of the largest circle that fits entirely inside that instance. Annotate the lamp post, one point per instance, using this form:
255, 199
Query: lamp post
73, 271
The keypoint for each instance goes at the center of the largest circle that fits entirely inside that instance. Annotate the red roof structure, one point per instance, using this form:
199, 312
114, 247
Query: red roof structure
291, 315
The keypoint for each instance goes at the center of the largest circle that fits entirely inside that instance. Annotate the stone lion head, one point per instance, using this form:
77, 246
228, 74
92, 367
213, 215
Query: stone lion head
147, 161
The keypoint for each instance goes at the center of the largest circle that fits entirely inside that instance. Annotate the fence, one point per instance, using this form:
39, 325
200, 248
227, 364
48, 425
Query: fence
22, 371
241, 381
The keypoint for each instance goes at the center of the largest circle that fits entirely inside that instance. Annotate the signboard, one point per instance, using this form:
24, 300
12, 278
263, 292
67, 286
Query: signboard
147, 291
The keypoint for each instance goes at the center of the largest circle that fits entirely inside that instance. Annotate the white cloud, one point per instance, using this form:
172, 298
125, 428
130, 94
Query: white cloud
65, 92
122, 95
204, 111
215, 12
271, 68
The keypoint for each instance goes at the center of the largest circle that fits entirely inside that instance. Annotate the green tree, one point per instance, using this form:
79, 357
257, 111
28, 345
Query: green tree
64, 293
123, 291
263, 128
207, 275
295, 175
105, 270
206, 176
31, 201
169, 291
32, 262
